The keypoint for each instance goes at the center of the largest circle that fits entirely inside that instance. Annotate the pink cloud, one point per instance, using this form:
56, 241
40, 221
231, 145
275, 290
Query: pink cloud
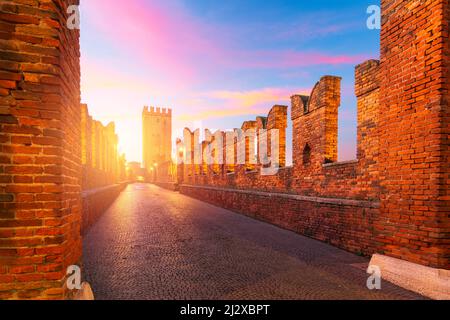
166, 40
237, 103
254, 97
314, 27
181, 49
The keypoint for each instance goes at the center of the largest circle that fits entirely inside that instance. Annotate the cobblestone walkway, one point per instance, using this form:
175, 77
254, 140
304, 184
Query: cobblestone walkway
157, 244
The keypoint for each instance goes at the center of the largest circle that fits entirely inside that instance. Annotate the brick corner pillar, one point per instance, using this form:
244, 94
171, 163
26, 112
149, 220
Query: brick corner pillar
367, 91
249, 129
413, 225
40, 155
277, 119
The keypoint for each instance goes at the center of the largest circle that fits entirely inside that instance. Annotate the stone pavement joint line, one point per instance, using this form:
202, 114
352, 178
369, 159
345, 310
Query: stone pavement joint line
157, 244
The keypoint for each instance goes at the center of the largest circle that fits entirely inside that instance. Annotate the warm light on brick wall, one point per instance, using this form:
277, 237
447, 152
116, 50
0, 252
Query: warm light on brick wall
398, 185
40, 167
102, 164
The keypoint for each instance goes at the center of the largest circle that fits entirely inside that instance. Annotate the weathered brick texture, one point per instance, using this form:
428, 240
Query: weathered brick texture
40, 167
414, 125
50, 148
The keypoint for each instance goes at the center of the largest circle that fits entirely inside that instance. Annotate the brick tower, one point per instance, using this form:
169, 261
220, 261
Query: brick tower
157, 137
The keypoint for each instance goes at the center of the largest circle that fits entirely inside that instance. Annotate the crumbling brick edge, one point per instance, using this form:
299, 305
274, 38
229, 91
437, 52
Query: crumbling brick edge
427, 281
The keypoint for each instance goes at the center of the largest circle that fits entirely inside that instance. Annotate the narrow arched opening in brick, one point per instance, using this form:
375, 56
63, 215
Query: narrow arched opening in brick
307, 155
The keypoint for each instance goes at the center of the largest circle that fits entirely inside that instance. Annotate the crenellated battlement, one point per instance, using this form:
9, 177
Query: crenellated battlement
315, 143
157, 111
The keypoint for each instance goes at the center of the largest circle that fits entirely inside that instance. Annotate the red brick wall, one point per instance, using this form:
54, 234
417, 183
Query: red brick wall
414, 217
101, 163
346, 224
367, 90
40, 155
277, 120
323, 176
401, 173
40, 215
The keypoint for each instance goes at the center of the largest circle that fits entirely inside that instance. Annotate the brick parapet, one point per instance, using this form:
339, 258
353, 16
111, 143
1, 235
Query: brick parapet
156, 138
316, 126
413, 132
101, 163
40, 154
344, 223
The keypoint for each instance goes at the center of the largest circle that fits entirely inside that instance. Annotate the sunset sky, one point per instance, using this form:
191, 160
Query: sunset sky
218, 63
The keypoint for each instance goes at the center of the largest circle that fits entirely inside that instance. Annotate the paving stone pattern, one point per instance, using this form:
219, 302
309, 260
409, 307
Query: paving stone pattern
157, 244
